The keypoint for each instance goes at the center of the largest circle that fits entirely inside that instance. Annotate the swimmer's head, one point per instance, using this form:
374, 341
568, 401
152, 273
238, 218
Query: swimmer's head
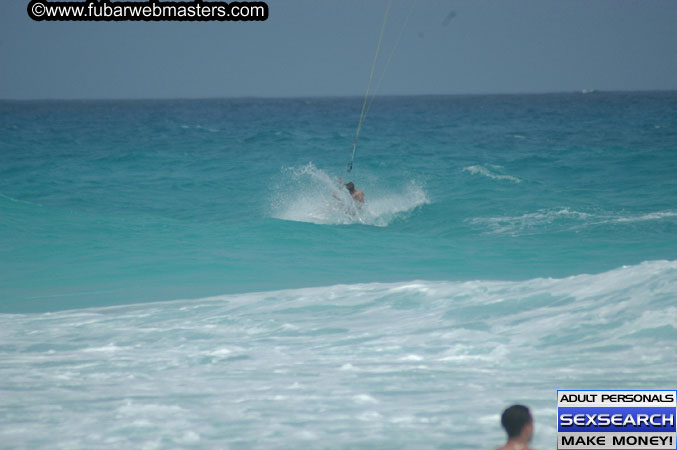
517, 421
351, 187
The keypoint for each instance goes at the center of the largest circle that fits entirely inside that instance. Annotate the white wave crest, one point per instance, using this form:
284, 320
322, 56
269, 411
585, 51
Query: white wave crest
529, 221
561, 218
309, 194
487, 172
650, 216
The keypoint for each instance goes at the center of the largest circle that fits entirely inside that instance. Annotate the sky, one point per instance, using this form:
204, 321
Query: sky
326, 48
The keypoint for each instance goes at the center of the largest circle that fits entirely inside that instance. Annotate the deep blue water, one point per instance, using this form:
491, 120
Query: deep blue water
508, 246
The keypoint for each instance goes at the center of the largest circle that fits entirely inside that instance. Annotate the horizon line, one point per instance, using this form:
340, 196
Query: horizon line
330, 96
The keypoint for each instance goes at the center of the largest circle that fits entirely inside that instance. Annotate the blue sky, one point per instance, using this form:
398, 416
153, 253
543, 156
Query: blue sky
325, 48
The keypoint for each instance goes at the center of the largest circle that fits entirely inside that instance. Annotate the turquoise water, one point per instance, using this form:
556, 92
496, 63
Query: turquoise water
509, 246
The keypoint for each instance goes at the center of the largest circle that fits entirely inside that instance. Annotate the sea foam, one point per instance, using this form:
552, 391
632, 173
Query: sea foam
362, 365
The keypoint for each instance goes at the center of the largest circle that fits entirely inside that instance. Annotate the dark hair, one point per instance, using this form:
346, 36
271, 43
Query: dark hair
351, 187
514, 419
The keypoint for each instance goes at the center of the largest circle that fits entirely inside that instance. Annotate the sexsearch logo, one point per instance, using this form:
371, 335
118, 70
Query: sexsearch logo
616, 419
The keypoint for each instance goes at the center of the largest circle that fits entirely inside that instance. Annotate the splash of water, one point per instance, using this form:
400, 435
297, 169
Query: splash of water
308, 194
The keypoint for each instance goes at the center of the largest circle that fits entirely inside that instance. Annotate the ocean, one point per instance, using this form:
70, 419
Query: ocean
189, 274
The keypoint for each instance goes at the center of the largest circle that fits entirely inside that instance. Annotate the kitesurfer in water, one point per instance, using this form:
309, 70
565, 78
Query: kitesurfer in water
356, 194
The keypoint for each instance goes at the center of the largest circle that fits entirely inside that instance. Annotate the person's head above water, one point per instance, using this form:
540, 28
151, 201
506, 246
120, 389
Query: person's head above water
519, 425
351, 187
